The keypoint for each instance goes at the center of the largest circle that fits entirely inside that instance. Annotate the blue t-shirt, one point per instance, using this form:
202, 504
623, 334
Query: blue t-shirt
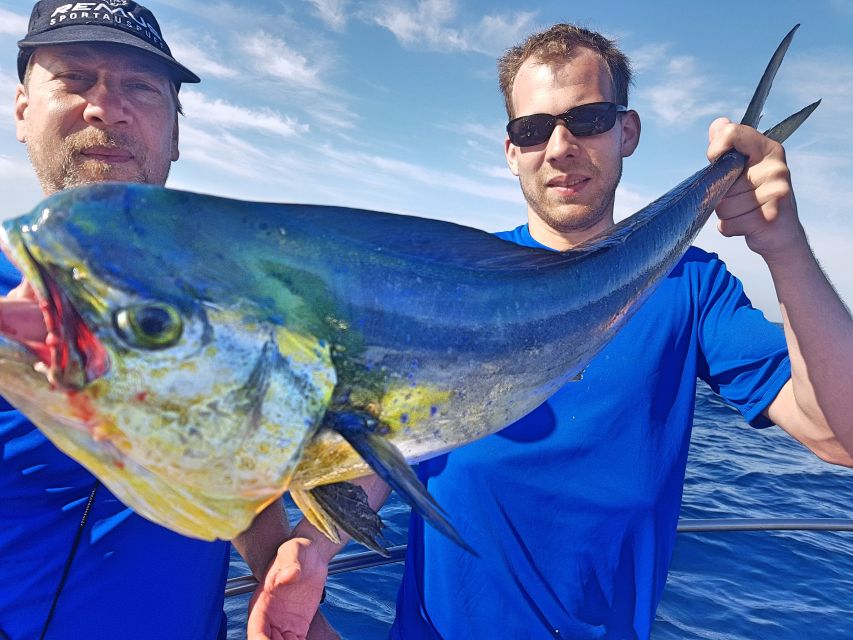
573, 509
129, 579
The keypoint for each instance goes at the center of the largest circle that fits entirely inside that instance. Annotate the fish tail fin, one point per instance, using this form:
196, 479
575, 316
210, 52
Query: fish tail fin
342, 505
753, 110
360, 430
781, 131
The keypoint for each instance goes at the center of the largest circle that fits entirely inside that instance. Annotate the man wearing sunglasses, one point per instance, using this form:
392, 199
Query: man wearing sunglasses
573, 509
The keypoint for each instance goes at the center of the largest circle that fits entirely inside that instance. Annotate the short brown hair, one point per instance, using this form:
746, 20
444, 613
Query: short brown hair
558, 44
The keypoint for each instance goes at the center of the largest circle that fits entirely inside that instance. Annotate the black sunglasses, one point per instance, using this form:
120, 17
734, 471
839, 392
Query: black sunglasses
583, 120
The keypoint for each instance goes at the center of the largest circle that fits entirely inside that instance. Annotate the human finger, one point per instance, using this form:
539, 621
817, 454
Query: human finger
746, 224
766, 199
746, 140
23, 290
22, 320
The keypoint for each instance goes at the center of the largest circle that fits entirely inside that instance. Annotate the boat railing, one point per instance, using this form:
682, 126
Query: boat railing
368, 559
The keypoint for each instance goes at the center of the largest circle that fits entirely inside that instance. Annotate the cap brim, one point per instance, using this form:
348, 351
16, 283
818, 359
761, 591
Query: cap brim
100, 34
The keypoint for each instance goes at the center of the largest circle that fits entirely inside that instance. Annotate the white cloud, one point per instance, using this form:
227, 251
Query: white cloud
200, 108
425, 23
8, 83
332, 12
390, 173
273, 57
683, 96
334, 117
493, 133
499, 172
828, 76
426, 26
628, 201
219, 151
494, 34
823, 183
192, 51
18, 185
647, 56
13, 169
231, 15
13, 24
832, 245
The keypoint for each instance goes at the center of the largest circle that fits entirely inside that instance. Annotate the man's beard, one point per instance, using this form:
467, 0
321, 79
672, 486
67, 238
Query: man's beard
65, 167
582, 218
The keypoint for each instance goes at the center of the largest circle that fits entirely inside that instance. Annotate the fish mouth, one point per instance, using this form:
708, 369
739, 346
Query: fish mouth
71, 356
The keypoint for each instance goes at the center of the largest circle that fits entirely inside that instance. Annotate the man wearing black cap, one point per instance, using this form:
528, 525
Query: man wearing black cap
98, 100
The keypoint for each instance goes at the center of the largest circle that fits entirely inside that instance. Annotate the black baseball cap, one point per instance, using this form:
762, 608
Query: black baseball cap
109, 21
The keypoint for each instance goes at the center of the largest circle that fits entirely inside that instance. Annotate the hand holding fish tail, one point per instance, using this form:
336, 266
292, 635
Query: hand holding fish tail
760, 205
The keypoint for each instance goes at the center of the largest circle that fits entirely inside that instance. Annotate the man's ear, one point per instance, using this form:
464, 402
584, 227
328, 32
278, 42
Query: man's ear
630, 132
511, 152
21, 104
176, 153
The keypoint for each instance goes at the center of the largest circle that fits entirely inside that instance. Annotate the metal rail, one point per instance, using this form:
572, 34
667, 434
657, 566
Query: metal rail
368, 559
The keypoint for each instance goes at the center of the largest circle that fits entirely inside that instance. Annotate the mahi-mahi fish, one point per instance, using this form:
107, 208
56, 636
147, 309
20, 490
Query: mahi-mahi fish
206, 355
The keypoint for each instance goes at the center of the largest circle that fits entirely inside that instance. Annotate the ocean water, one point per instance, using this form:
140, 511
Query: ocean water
722, 586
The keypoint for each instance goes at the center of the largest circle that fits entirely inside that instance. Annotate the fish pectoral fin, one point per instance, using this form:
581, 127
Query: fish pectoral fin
361, 431
345, 504
315, 513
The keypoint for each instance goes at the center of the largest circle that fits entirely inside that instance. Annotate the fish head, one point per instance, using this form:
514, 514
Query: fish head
171, 382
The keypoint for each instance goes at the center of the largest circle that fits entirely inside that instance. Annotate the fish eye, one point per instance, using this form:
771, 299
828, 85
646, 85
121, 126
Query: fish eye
149, 326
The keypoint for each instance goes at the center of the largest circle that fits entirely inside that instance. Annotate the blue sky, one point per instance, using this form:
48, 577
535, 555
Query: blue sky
394, 105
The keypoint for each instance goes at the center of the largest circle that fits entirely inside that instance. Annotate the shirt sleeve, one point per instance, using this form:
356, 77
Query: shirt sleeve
743, 356
10, 277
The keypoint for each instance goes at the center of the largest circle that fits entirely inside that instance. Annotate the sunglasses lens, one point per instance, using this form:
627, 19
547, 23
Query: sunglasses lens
530, 130
591, 119
584, 120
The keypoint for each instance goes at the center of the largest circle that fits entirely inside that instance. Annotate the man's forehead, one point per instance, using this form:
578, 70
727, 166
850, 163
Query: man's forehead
128, 58
582, 63
581, 67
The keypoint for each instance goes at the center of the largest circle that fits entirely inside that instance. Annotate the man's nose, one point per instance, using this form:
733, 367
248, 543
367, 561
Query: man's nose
106, 106
562, 143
